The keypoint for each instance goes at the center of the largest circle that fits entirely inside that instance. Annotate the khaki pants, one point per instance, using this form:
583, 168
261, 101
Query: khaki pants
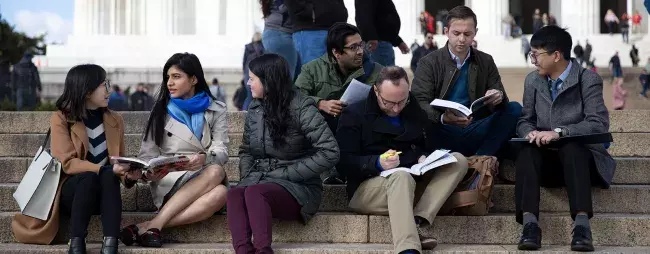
397, 196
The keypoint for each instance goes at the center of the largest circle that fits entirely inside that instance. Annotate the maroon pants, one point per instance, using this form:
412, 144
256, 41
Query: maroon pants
250, 212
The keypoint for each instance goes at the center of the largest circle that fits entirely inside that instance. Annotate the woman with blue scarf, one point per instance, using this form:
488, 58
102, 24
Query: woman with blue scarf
185, 120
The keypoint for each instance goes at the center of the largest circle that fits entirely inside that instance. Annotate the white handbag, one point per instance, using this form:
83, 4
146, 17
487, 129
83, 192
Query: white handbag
36, 191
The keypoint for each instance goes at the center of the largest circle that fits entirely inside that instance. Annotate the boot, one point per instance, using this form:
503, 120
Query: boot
77, 245
109, 246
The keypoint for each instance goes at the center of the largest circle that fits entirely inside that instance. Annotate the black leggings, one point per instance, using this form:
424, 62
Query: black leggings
89, 193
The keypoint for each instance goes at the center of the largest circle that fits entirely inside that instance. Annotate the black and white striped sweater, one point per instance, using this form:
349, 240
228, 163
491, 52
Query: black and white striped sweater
97, 150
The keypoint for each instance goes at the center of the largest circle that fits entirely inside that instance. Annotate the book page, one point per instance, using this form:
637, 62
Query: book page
169, 162
455, 107
132, 162
355, 92
480, 102
430, 159
446, 159
386, 173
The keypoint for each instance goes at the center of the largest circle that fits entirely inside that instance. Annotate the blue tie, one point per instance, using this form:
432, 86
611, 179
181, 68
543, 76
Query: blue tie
555, 87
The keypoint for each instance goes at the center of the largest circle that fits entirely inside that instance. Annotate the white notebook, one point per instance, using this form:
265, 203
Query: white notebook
434, 160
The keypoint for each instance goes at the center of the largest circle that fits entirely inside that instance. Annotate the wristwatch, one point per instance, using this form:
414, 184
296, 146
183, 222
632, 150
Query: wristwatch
559, 131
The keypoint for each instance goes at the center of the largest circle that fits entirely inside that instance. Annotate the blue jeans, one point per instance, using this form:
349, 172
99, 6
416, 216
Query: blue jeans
384, 54
281, 43
310, 44
482, 137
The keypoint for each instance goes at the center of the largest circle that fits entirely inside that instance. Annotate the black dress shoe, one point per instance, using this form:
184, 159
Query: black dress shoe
77, 245
531, 238
151, 238
581, 239
109, 246
129, 235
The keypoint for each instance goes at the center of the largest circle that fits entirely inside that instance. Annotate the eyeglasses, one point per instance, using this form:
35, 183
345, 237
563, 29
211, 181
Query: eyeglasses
533, 56
392, 104
107, 85
429, 37
356, 46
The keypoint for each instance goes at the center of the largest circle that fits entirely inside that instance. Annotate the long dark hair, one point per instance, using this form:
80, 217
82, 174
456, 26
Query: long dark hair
274, 74
266, 7
81, 81
189, 64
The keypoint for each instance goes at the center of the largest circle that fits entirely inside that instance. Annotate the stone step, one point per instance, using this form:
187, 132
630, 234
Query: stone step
26, 145
308, 248
135, 122
631, 199
633, 170
498, 229
38, 122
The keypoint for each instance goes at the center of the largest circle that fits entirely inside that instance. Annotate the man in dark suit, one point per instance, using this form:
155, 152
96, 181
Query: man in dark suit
390, 121
560, 99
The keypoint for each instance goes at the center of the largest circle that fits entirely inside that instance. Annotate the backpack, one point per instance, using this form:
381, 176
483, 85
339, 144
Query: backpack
473, 196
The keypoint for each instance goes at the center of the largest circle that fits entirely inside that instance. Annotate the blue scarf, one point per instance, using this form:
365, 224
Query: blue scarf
190, 112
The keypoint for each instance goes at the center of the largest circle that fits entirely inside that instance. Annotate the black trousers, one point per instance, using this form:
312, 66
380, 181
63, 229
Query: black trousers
571, 166
87, 194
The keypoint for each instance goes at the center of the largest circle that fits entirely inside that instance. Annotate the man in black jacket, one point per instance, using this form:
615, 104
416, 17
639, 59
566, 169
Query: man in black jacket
379, 23
390, 121
463, 74
311, 20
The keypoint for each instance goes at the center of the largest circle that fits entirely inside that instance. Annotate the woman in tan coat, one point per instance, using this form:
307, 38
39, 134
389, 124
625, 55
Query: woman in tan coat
186, 120
84, 134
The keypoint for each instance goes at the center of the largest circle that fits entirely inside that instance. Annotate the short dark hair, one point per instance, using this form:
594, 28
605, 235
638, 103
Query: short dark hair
336, 36
215, 81
392, 74
461, 12
551, 39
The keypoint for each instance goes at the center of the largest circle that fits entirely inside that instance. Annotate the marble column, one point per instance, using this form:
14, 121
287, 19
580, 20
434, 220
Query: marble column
207, 18
489, 15
581, 17
79, 18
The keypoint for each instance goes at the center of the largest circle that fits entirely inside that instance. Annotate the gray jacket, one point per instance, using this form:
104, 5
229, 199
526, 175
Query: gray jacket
311, 149
579, 109
279, 18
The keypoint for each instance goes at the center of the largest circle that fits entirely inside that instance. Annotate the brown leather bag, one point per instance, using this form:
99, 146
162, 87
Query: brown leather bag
473, 196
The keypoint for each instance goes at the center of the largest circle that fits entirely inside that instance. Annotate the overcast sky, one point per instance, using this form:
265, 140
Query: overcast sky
38, 16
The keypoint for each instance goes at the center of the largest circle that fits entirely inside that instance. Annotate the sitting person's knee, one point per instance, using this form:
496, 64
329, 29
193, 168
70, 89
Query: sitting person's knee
402, 177
514, 108
214, 172
461, 161
254, 191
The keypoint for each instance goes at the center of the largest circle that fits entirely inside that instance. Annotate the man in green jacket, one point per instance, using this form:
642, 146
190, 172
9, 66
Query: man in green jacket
326, 78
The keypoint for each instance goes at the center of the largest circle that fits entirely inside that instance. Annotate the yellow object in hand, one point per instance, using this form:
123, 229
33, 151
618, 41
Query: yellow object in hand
386, 155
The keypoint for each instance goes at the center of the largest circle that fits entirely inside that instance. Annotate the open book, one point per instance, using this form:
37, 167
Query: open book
355, 92
460, 109
167, 164
436, 159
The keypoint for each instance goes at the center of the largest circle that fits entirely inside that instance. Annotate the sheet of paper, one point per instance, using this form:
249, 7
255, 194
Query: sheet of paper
447, 159
355, 92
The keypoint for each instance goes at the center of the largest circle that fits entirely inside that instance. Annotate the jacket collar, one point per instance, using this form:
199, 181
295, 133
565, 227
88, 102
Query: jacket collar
447, 52
111, 131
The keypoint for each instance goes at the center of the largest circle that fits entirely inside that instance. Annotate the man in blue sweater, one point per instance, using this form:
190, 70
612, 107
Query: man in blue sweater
463, 74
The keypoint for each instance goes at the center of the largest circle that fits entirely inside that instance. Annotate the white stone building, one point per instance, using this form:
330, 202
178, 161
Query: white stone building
141, 34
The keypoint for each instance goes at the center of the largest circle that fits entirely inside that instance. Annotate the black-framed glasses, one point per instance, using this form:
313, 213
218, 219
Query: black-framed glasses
533, 56
356, 46
392, 104
107, 85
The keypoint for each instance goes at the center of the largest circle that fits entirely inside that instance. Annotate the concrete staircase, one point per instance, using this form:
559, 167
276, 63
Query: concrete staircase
620, 225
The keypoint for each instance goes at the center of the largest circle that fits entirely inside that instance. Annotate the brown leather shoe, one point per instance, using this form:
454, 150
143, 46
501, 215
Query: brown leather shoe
428, 243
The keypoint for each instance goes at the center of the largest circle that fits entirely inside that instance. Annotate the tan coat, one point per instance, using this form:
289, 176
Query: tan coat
179, 140
70, 148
